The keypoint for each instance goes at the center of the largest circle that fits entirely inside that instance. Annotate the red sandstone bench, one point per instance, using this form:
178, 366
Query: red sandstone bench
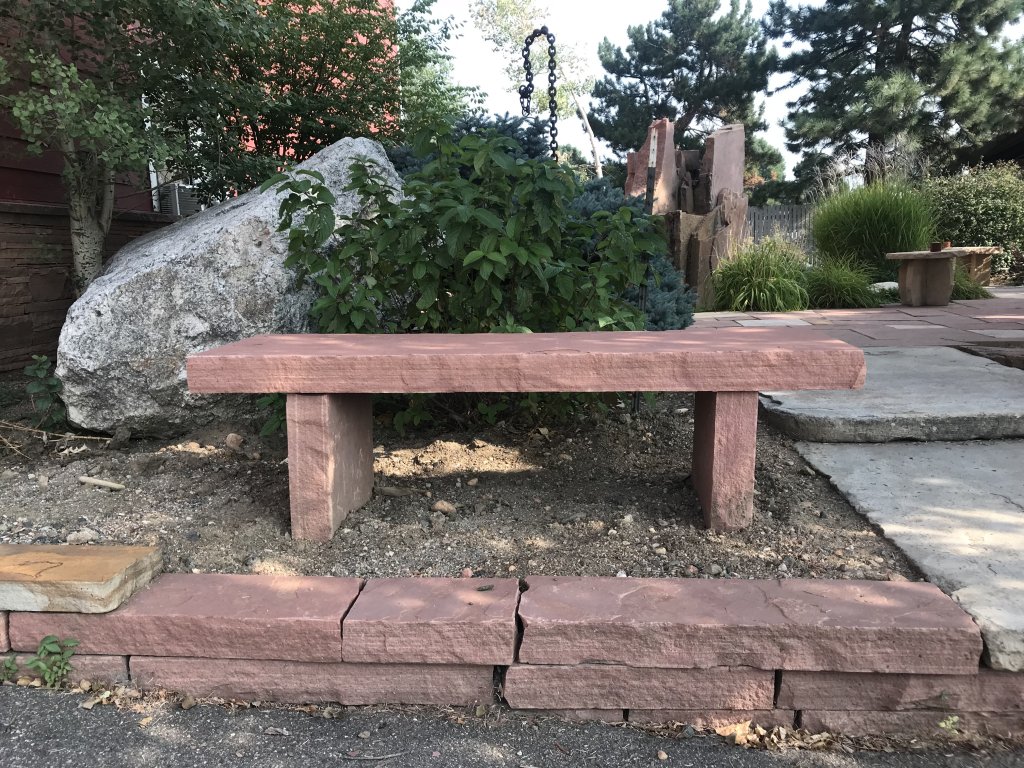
328, 381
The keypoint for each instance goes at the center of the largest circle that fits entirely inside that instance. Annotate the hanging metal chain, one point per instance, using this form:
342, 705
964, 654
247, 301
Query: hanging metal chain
526, 91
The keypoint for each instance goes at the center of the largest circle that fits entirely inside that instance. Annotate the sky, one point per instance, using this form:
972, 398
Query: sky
582, 24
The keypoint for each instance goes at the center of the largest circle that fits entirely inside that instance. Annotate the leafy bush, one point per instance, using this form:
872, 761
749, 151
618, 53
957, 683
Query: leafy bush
483, 240
984, 206
52, 661
840, 284
867, 222
43, 389
965, 287
763, 277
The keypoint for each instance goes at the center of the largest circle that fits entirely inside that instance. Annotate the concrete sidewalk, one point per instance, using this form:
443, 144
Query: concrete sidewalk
957, 510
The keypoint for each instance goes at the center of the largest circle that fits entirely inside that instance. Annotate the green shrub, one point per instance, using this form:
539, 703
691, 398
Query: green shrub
670, 302
984, 206
965, 288
867, 222
483, 239
764, 277
43, 389
840, 284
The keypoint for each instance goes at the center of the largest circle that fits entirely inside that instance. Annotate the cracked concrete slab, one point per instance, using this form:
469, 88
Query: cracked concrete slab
925, 393
957, 510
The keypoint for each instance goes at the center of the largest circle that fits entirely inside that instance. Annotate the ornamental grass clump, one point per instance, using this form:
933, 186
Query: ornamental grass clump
762, 277
840, 284
868, 222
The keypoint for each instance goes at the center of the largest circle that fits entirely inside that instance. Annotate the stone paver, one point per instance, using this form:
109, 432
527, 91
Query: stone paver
931, 393
433, 621
957, 510
789, 624
296, 682
958, 323
217, 616
35, 577
596, 686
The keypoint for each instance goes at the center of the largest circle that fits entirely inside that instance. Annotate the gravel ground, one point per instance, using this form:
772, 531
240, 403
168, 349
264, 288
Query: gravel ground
602, 497
41, 729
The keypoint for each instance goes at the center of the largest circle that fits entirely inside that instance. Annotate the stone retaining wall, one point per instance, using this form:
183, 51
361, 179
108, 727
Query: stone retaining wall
845, 656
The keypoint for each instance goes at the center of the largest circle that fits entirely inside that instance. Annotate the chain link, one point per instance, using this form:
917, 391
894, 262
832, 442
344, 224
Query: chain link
526, 91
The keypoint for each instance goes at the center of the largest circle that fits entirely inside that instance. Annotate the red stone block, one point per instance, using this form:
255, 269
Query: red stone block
703, 718
694, 360
793, 624
988, 691
295, 682
95, 669
606, 686
580, 715
5, 640
209, 615
914, 723
330, 461
433, 621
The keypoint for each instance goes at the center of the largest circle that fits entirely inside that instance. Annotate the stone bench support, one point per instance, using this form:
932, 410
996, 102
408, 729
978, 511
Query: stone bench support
724, 441
330, 461
329, 381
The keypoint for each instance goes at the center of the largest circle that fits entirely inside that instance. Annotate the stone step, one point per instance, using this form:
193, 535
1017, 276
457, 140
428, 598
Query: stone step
926, 393
210, 616
36, 577
433, 621
792, 624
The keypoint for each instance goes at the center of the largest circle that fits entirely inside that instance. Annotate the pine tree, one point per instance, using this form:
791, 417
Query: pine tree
936, 76
693, 65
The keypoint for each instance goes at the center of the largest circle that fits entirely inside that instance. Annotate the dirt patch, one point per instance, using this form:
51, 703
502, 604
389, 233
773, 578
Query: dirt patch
606, 496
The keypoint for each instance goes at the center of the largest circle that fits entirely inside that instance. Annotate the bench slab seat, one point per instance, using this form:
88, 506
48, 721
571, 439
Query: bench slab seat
329, 379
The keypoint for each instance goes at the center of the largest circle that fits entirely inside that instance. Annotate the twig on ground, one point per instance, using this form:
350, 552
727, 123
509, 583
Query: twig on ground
86, 480
50, 436
372, 757
11, 446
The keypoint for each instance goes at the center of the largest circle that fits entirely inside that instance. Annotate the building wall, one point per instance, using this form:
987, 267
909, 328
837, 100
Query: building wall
35, 273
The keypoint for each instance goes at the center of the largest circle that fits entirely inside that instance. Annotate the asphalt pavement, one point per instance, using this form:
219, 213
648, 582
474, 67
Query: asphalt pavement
42, 729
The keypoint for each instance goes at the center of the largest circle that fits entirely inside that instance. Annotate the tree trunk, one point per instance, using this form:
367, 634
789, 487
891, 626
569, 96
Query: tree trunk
90, 190
598, 171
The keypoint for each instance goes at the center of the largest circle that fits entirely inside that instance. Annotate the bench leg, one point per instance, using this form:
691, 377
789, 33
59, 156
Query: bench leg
926, 282
330, 461
724, 441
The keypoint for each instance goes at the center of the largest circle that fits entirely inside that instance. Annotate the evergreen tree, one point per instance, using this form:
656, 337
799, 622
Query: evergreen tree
693, 65
937, 76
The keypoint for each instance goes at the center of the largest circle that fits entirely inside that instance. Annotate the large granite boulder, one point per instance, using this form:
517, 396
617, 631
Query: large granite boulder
210, 279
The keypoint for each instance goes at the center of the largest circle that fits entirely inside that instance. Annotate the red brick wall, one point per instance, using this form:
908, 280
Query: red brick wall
35, 268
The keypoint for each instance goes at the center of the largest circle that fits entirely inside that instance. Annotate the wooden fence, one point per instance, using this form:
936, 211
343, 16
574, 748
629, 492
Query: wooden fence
792, 222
